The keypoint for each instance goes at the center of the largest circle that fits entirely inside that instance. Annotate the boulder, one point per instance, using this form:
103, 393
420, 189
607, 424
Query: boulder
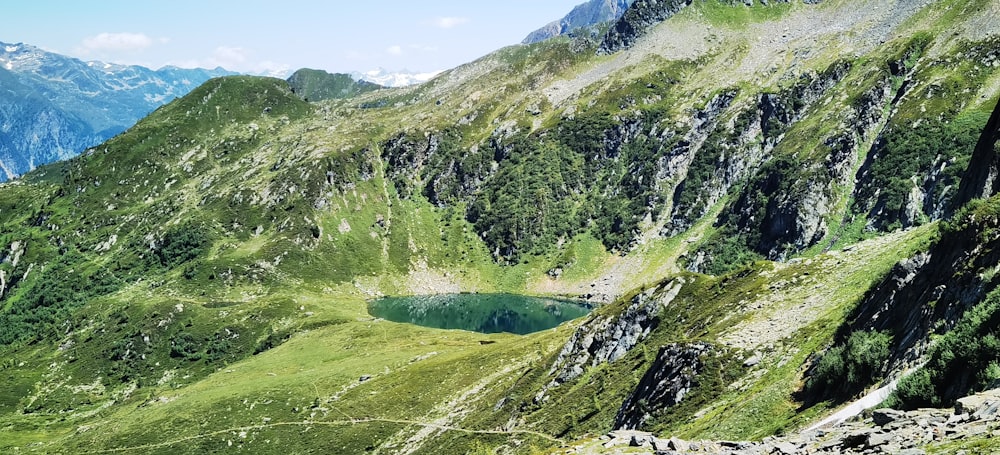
879, 439
973, 404
752, 361
785, 448
883, 417
679, 445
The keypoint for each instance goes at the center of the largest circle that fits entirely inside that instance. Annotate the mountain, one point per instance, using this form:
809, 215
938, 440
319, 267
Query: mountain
587, 14
54, 107
778, 215
388, 78
317, 85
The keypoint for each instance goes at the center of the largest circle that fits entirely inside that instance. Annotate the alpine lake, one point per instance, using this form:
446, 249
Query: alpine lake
484, 313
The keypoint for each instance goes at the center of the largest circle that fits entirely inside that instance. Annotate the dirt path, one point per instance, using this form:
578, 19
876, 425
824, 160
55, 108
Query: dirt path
331, 423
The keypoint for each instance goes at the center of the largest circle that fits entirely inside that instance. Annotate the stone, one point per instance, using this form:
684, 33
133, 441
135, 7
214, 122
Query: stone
785, 448
829, 446
735, 445
663, 445
855, 439
987, 412
671, 376
753, 361
636, 21
641, 440
976, 429
957, 419
879, 439
679, 445
974, 403
912, 452
883, 417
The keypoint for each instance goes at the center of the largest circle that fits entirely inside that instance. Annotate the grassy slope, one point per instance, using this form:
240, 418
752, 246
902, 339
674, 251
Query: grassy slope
304, 394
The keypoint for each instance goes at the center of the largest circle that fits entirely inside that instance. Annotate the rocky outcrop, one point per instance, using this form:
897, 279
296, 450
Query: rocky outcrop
929, 293
933, 290
708, 151
637, 20
883, 431
593, 12
784, 205
980, 180
604, 338
926, 185
667, 381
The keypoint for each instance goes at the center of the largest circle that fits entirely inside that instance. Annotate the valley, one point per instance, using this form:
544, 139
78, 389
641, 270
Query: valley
773, 210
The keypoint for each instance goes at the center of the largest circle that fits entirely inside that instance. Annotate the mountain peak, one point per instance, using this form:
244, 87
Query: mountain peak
586, 14
61, 105
387, 78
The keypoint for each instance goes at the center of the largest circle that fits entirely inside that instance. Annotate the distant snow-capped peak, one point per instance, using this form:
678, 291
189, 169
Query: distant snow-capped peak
387, 78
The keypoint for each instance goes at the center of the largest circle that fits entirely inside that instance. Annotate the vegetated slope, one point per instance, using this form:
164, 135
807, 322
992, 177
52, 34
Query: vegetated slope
198, 282
53, 107
318, 85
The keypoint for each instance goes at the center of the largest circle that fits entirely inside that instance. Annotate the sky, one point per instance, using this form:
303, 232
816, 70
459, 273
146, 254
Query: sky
278, 37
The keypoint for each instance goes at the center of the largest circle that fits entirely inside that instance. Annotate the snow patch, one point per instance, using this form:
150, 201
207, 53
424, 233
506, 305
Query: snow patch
11, 48
403, 78
157, 99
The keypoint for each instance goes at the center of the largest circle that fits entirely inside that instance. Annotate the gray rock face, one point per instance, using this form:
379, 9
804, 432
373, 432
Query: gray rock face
883, 417
732, 165
928, 291
584, 15
784, 205
980, 181
666, 382
604, 339
637, 20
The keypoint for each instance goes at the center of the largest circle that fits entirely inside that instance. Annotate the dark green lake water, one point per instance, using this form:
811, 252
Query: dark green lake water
485, 313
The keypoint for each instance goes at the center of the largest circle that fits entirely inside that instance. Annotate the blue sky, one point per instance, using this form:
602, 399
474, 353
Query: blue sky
266, 36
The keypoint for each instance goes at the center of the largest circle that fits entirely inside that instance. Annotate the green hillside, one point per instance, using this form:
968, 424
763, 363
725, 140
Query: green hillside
319, 85
735, 194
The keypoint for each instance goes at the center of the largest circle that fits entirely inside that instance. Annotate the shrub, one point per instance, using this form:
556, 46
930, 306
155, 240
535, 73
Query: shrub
181, 245
847, 368
963, 360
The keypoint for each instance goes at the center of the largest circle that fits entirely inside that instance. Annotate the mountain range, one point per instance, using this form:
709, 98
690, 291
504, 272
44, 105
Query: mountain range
782, 218
587, 14
53, 107
388, 78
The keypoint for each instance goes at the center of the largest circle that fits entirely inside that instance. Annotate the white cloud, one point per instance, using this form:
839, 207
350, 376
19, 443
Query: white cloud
448, 22
229, 56
117, 42
423, 48
235, 58
273, 69
395, 50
